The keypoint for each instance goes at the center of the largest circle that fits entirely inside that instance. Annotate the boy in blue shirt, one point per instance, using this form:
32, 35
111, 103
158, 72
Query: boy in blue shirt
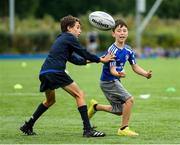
52, 74
120, 99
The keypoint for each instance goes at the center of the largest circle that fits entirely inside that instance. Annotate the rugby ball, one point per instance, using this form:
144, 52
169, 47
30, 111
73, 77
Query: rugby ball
101, 20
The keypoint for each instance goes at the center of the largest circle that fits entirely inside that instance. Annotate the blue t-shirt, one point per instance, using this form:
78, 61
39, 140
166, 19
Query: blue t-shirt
122, 55
64, 49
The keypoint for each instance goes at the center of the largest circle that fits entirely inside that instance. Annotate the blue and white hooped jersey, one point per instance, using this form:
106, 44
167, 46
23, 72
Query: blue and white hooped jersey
122, 55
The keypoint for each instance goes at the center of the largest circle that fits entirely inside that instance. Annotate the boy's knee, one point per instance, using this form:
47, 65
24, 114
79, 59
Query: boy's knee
131, 100
50, 102
109, 108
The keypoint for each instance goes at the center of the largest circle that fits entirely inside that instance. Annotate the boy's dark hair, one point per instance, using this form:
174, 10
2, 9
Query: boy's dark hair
120, 23
68, 21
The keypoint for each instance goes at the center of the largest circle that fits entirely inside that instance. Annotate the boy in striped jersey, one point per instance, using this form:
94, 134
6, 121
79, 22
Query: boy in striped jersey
120, 99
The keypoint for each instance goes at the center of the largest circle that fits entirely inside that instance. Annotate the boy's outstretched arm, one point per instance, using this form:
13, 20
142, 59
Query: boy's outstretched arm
104, 58
139, 70
108, 57
77, 59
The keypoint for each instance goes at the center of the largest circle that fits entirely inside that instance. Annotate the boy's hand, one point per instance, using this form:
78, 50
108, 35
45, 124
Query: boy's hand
149, 74
122, 74
107, 58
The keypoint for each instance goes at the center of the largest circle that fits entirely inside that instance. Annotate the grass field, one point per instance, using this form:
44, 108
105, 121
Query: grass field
156, 119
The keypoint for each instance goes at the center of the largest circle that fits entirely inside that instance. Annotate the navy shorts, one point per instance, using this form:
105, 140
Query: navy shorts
54, 80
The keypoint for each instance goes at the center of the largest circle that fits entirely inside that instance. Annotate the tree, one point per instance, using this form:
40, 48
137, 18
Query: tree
169, 9
4, 8
25, 8
60, 8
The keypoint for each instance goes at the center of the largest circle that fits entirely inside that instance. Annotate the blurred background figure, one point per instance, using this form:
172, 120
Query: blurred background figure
92, 42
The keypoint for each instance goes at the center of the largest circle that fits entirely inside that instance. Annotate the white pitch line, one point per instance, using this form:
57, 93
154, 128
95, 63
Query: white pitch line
171, 98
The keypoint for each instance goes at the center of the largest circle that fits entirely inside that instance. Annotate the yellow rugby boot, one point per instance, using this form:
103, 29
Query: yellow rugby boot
91, 110
127, 132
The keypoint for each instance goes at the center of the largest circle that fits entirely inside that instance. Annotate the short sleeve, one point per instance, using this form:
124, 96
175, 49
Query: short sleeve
132, 59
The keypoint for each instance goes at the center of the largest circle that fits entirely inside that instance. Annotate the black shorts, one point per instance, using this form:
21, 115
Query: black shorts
54, 80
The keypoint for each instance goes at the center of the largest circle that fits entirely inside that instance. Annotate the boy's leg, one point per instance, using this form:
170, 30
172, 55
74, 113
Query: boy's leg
106, 108
27, 128
94, 107
124, 130
76, 92
127, 106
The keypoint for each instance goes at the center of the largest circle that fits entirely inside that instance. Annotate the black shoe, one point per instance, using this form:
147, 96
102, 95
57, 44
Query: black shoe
93, 133
27, 129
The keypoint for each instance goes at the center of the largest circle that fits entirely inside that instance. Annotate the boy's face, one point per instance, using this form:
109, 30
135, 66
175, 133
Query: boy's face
120, 34
75, 30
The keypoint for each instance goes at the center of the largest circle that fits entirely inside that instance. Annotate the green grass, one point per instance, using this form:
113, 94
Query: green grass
156, 119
